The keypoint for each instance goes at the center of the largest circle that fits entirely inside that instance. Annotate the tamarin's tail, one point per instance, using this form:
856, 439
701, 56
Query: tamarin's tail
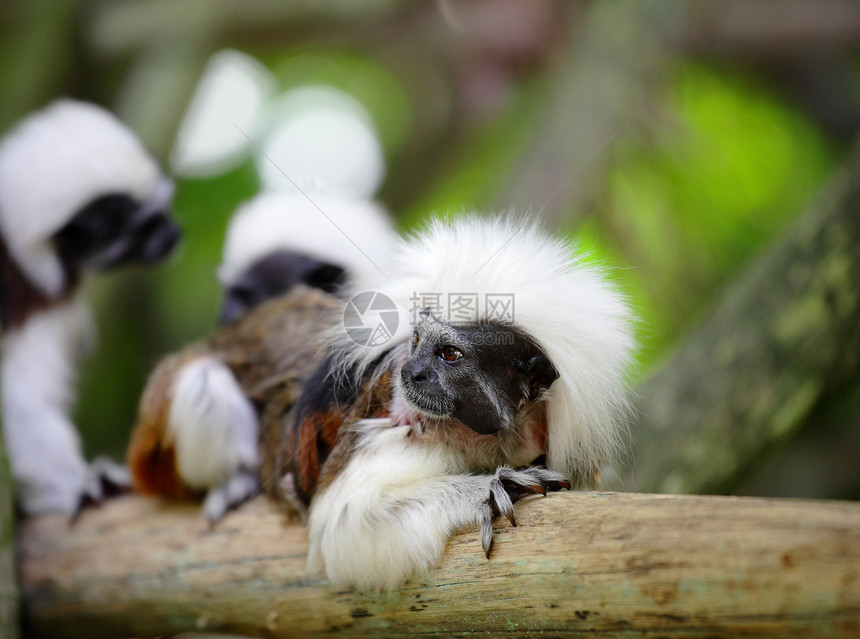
196, 429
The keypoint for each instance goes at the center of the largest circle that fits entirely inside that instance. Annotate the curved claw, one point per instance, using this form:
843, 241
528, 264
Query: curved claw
501, 502
509, 486
230, 495
530, 489
487, 529
558, 485
105, 479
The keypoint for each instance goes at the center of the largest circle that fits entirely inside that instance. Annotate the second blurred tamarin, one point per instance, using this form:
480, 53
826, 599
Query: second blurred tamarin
284, 263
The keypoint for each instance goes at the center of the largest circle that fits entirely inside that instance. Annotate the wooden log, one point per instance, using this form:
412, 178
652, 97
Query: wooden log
585, 562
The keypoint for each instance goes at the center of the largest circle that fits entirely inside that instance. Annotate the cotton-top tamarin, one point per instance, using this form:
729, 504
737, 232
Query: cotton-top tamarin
503, 378
77, 191
286, 256
283, 238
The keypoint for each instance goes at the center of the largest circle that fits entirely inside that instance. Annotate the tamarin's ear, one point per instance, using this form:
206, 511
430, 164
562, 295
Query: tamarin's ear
540, 374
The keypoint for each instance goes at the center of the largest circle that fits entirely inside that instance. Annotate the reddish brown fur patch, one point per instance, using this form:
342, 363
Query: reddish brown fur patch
305, 454
316, 437
19, 298
151, 455
372, 403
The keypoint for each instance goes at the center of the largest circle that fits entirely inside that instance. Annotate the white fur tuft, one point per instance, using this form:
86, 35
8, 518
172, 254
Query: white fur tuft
55, 162
353, 233
567, 306
43, 446
213, 425
389, 513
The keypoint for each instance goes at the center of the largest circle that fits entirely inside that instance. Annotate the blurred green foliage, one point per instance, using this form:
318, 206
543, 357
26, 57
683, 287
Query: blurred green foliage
689, 205
472, 179
722, 167
720, 171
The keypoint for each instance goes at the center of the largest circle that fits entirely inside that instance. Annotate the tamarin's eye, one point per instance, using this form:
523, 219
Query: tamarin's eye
450, 353
414, 340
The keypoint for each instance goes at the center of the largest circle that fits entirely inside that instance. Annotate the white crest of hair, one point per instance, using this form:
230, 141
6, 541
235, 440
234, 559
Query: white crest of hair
565, 304
213, 425
55, 162
38, 374
355, 234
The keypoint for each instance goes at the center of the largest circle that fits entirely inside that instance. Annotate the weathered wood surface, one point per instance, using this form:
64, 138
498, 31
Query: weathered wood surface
614, 563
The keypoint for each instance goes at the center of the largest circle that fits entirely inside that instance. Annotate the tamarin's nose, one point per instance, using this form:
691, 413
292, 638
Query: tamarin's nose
419, 373
423, 374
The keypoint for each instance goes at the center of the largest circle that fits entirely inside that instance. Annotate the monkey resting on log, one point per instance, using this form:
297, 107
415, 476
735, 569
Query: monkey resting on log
509, 382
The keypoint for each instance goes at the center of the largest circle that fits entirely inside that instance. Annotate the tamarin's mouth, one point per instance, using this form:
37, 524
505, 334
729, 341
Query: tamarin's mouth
426, 405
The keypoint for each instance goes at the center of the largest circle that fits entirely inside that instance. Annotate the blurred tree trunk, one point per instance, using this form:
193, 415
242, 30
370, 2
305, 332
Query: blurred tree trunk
37, 56
8, 580
821, 462
783, 337
597, 89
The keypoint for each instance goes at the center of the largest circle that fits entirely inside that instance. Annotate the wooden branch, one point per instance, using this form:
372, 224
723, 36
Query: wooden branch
752, 26
786, 334
618, 564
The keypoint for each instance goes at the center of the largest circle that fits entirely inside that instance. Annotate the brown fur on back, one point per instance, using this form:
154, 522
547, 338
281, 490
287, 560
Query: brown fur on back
271, 351
151, 454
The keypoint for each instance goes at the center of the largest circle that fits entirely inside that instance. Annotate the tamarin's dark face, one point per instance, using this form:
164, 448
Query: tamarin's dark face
273, 276
114, 230
479, 374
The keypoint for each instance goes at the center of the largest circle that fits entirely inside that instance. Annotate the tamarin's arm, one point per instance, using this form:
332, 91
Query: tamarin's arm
37, 378
388, 512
